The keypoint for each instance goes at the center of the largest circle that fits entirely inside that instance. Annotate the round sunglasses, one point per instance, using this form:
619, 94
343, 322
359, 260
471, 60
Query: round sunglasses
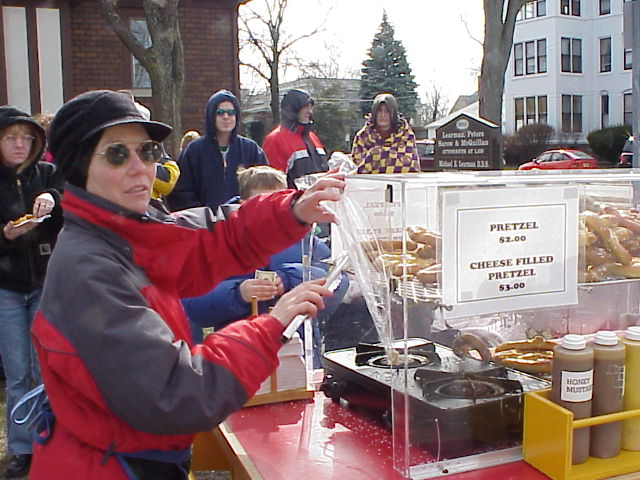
149, 151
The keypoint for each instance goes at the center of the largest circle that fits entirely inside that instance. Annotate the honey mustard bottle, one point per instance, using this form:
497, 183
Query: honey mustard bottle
608, 385
631, 427
572, 387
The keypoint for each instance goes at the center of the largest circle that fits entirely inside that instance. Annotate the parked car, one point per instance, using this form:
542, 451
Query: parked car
626, 156
560, 159
426, 152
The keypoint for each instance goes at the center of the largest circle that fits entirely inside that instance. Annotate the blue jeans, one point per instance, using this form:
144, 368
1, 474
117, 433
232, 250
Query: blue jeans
19, 359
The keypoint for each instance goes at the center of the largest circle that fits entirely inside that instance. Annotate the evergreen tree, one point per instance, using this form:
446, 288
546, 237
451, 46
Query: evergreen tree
387, 71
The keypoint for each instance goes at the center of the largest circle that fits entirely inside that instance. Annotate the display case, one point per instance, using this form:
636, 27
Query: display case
466, 280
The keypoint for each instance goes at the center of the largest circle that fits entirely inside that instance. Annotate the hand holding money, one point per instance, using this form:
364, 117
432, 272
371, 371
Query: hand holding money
266, 286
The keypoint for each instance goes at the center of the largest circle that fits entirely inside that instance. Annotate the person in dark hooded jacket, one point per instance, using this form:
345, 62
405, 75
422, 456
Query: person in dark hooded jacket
27, 187
209, 164
386, 143
292, 147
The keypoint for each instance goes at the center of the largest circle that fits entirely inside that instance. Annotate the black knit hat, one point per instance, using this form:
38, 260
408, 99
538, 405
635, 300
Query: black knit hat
82, 118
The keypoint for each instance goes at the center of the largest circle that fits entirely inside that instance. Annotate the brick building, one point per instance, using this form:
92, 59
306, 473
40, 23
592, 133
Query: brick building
52, 50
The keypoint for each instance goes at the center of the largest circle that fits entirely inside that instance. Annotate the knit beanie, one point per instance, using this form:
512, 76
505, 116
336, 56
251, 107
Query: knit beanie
77, 127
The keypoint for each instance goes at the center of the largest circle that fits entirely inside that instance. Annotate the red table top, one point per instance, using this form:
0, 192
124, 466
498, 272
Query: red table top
320, 439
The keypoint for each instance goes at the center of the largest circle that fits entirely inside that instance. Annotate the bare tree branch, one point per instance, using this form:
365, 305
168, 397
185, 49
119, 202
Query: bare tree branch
466, 27
255, 69
163, 59
265, 35
110, 12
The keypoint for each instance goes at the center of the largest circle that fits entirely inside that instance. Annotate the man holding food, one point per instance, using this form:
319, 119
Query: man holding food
31, 217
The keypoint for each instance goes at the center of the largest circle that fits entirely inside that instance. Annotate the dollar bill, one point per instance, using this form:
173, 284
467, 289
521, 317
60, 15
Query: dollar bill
266, 275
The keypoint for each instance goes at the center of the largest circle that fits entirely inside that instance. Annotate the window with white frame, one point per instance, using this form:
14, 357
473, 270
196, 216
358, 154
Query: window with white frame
519, 112
532, 9
604, 110
518, 60
530, 57
570, 7
628, 59
605, 54
528, 110
627, 105
571, 55
605, 7
542, 109
140, 76
542, 55
572, 113
541, 8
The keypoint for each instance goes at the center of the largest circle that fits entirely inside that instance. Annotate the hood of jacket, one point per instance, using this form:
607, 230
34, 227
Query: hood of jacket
210, 112
390, 101
291, 104
11, 115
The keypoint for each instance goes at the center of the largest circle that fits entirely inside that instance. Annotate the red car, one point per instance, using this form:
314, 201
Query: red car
626, 156
560, 159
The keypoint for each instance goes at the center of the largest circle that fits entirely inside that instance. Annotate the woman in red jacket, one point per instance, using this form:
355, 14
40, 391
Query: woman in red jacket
127, 388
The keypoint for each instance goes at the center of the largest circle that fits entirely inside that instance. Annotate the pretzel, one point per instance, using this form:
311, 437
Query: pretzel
24, 218
626, 271
609, 240
529, 362
422, 235
534, 344
429, 274
531, 356
598, 256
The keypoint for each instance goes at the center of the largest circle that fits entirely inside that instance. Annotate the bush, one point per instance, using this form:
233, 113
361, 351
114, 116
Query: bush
527, 143
607, 143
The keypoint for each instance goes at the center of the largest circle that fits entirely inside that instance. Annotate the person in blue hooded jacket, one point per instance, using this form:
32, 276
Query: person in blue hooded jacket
210, 163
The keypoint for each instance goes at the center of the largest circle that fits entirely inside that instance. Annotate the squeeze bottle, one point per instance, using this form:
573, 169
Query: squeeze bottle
572, 387
608, 383
631, 427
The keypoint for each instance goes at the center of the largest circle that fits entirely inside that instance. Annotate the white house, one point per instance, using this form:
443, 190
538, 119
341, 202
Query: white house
569, 68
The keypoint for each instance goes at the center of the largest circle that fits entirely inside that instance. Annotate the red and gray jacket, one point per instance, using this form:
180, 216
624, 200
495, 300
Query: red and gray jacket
287, 150
113, 341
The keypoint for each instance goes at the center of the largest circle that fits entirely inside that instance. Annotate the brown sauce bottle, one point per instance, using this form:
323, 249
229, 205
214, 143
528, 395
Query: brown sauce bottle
631, 427
608, 385
572, 387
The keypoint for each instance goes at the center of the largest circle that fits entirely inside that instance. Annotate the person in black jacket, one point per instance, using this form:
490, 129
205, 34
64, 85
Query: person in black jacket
28, 187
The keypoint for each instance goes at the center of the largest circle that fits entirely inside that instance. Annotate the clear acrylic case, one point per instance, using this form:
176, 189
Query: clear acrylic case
509, 257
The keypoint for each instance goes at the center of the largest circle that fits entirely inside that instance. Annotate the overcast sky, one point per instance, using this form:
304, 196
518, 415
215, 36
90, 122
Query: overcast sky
433, 32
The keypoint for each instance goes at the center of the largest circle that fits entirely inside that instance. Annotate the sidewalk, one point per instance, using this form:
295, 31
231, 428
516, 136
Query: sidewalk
4, 460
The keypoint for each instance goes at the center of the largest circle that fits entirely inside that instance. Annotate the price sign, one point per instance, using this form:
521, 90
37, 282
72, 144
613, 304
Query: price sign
509, 249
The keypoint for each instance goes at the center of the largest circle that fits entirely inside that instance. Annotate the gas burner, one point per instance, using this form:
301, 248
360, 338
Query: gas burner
469, 387
411, 360
456, 407
420, 353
